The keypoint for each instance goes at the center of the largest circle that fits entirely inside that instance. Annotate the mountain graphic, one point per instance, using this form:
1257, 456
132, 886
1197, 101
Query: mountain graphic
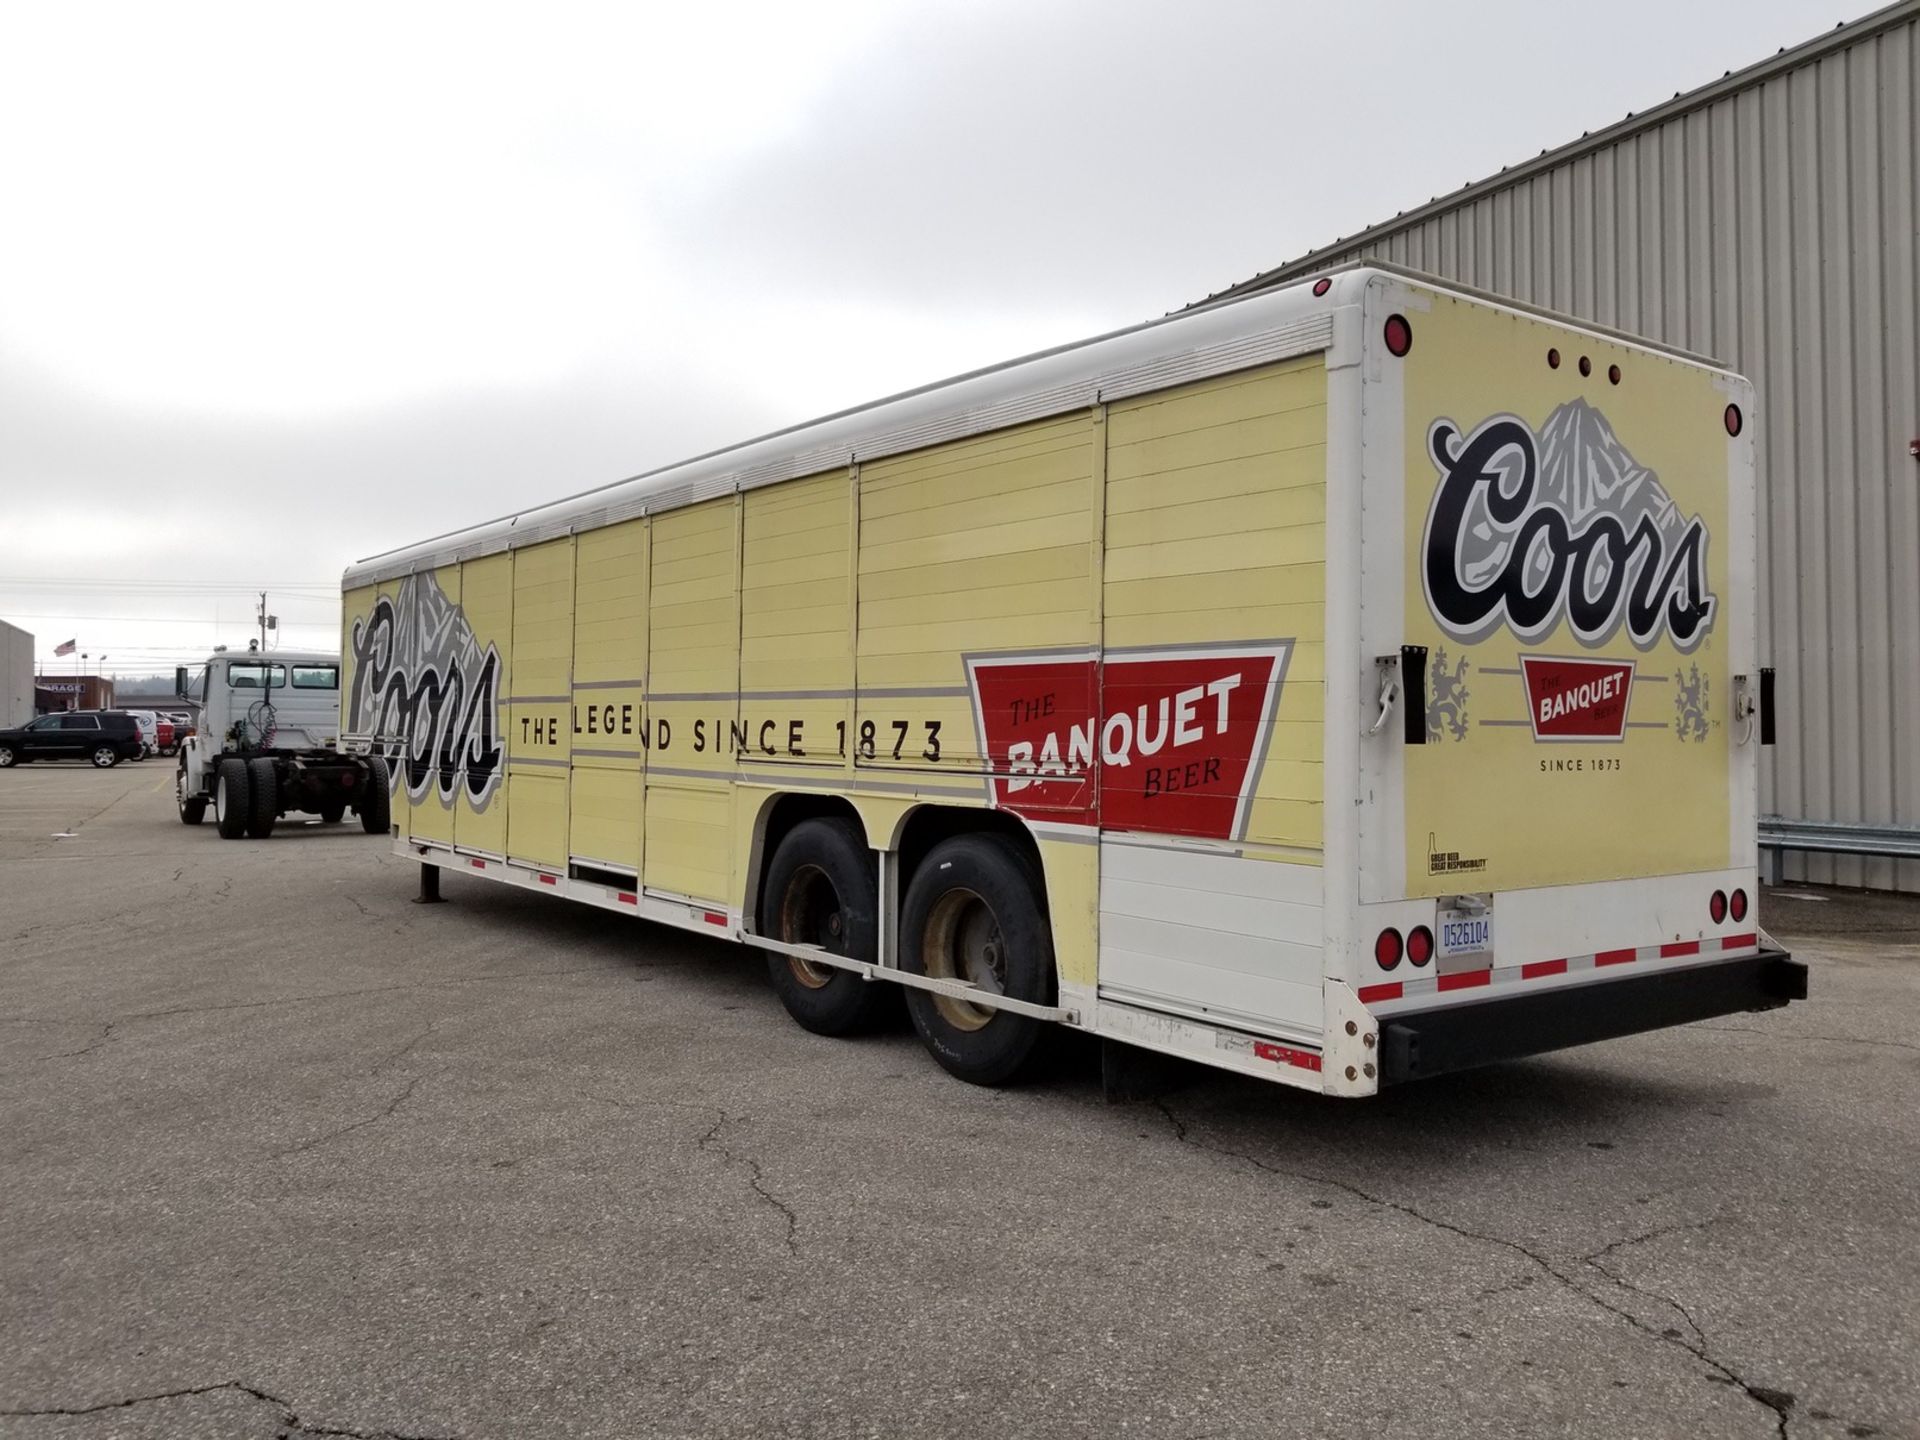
1584, 471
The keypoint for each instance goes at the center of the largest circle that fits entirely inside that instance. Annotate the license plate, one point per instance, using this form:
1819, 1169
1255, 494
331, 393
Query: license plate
1462, 935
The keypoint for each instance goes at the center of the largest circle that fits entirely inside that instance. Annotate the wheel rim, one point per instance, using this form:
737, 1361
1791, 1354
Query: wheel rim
220, 799
103, 757
962, 941
811, 914
6, 755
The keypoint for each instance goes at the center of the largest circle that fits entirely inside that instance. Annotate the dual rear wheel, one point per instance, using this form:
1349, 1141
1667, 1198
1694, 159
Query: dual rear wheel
972, 913
246, 799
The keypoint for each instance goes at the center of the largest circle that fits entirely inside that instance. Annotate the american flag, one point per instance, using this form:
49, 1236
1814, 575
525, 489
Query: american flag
66, 649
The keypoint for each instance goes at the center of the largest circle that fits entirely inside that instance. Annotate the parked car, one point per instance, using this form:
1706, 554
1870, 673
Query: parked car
149, 724
164, 727
106, 737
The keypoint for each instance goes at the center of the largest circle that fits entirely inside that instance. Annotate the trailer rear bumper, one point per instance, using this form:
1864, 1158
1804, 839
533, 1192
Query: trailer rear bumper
1416, 1044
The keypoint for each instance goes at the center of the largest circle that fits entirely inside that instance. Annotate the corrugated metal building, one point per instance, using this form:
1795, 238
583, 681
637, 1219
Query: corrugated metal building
16, 676
1768, 220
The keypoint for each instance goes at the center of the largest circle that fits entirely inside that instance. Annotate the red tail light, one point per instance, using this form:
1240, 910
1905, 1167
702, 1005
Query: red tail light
1717, 907
1739, 904
1419, 945
1734, 420
1386, 949
1399, 336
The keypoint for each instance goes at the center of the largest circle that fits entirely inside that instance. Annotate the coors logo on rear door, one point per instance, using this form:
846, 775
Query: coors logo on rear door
1166, 741
1526, 530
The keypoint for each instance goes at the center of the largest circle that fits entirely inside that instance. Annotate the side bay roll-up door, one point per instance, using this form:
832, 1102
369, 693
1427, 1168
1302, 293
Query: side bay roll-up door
368, 639
486, 601
976, 595
609, 698
693, 682
796, 660
1211, 785
539, 707
432, 765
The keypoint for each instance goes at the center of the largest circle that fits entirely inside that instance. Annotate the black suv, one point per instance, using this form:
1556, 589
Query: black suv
106, 737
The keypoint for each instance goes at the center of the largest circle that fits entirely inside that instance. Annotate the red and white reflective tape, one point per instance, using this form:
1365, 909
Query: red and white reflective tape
1542, 969
1285, 1055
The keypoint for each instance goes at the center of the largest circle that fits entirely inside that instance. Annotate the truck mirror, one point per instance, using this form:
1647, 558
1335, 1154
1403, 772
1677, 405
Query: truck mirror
180, 681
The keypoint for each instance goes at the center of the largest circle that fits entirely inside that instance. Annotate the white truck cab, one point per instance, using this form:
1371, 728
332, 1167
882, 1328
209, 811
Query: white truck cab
268, 744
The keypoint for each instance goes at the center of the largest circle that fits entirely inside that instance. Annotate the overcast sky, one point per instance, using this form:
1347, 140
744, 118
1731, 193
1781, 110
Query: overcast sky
281, 287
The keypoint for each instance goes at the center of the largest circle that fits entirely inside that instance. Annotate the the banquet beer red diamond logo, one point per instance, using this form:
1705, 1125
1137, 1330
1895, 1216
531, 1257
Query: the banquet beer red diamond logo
1569, 699
1167, 741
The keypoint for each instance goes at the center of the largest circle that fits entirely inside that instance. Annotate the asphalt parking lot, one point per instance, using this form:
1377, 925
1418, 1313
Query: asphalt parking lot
283, 1154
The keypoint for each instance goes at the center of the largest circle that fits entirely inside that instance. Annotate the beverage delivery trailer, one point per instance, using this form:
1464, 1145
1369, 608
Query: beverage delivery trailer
1341, 685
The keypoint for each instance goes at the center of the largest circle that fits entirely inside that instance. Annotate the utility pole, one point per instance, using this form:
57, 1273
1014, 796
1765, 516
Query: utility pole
267, 622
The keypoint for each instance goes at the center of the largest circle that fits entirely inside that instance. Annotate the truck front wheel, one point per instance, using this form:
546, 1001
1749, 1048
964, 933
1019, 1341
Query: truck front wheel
193, 808
973, 914
232, 798
375, 803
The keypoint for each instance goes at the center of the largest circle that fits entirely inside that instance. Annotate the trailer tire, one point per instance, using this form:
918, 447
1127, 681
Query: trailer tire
973, 912
263, 806
232, 798
821, 891
376, 800
193, 808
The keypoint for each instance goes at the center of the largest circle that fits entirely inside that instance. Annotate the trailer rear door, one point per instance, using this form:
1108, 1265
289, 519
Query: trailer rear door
1558, 526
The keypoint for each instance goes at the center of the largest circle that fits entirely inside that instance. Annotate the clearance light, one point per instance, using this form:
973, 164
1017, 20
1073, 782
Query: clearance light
1613, 374
1553, 359
1586, 366
1399, 335
1386, 949
1734, 420
1320, 287
1717, 907
1738, 904
1419, 945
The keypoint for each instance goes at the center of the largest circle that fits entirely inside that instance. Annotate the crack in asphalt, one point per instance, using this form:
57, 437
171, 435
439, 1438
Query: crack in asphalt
755, 1176
383, 1113
313, 999
289, 1419
1623, 1283
405, 1049
106, 1034
1779, 1402
1831, 1039
711, 1141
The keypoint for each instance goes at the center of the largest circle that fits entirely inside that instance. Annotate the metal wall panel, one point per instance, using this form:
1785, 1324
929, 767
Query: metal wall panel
1770, 224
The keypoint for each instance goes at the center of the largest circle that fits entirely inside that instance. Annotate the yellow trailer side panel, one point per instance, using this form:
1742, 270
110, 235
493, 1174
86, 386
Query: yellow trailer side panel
948, 536
796, 641
1215, 529
486, 598
432, 780
604, 818
539, 724
693, 681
